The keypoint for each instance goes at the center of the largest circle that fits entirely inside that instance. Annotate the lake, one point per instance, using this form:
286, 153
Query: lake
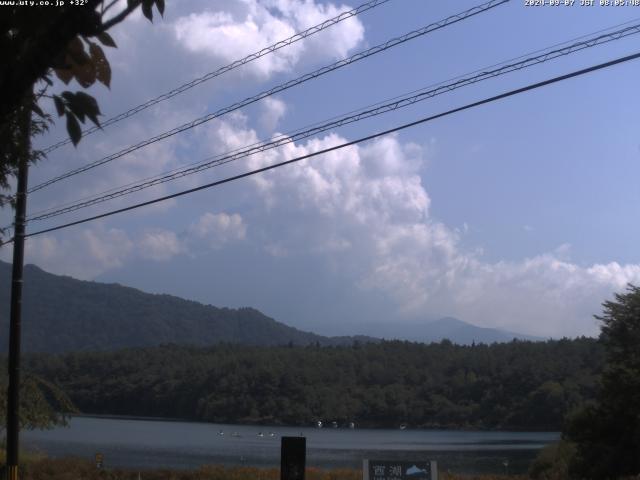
153, 443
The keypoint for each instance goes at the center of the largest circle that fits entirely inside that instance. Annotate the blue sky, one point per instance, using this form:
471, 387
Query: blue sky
519, 214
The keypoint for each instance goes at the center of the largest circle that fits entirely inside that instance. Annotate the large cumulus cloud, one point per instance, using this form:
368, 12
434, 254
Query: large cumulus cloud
233, 31
367, 206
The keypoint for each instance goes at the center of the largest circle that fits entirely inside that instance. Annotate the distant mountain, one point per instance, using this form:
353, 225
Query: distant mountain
450, 328
62, 314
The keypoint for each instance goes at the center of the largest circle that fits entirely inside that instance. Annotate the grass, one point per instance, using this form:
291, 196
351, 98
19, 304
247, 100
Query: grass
37, 467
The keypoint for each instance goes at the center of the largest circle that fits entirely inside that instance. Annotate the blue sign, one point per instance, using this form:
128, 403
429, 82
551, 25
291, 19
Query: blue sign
399, 470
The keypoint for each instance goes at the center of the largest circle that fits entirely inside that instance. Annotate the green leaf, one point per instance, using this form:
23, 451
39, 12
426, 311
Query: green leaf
59, 103
94, 118
90, 22
84, 104
76, 107
73, 127
75, 51
146, 9
85, 74
101, 64
64, 74
160, 5
106, 40
36, 108
88, 102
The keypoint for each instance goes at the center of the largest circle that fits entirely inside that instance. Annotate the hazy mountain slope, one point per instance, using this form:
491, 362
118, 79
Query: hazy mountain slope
64, 314
466, 333
456, 330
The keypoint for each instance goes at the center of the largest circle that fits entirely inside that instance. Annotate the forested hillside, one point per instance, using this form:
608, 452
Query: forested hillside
62, 314
517, 385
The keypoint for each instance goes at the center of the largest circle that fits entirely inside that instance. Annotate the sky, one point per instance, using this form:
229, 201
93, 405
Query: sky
520, 214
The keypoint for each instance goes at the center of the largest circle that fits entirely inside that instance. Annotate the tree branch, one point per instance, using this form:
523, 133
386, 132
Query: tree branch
106, 9
121, 16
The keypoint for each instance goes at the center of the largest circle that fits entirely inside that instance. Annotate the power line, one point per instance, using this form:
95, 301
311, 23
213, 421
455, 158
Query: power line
227, 68
501, 96
178, 169
282, 87
378, 109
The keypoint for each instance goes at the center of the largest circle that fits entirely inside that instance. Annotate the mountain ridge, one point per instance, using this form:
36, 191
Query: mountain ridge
63, 314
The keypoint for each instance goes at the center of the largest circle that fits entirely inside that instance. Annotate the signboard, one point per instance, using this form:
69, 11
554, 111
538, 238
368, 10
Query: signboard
293, 455
399, 470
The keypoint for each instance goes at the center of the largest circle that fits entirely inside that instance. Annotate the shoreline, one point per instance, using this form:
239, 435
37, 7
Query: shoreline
310, 426
132, 443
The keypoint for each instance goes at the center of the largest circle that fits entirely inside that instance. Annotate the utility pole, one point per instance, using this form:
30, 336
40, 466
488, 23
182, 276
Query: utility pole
13, 393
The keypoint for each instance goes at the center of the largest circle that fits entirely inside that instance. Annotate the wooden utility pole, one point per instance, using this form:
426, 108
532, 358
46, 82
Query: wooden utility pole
13, 393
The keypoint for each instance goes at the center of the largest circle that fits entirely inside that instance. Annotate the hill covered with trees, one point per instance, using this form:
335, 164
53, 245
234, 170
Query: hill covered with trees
62, 314
517, 385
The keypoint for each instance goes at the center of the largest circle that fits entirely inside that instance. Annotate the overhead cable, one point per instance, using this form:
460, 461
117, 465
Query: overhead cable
378, 109
501, 96
227, 68
282, 87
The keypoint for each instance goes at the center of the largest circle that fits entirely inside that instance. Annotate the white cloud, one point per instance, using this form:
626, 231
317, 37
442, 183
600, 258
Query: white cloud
160, 245
366, 206
217, 229
276, 250
107, 246
138, 165
365, 210
545, 294
83, 255
242, 29
615, 274
87, 253
273, 110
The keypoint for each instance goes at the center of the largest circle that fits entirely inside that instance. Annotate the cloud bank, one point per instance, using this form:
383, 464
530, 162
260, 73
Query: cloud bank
365, 210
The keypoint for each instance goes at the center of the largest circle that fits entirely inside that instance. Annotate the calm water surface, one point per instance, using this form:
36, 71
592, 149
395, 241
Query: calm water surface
138, 443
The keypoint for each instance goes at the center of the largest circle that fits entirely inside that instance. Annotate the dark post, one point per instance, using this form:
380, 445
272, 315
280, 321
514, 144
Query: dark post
293, 455
13, 393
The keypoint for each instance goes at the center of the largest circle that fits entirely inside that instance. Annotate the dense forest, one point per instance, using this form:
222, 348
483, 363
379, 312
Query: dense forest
516, 385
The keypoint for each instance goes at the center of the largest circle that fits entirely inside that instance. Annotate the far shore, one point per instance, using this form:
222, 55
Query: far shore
279, 425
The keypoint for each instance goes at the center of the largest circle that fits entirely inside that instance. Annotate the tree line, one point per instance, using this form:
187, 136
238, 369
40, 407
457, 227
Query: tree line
516, 385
